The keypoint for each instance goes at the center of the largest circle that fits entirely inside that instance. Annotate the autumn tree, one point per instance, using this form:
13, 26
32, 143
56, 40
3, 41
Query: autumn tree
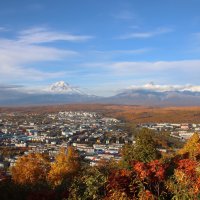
144, 150
122, 185
31, 169
185, 184
145, 147
151, 177
91, 184
66, 164
192, 147
145, 181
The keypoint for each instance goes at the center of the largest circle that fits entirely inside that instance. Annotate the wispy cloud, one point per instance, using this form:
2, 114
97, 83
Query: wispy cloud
112, 54
166, 88
6, 87
2, 29
42, 35
147, 34
185, 69
142, 67
124, 15
197, 35
17, 55
130, 51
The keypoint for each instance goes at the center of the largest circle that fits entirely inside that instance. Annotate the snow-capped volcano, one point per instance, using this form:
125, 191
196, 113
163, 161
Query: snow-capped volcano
64, 88
60, 86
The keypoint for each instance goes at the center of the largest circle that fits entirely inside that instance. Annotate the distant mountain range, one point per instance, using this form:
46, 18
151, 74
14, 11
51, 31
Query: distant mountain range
58, 93
169, 98
61, 93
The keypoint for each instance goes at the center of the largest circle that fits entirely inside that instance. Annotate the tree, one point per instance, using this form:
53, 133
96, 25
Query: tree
31, 169
65, 165
91, 184
192, 147
185, 184
151, 177
121, 185
144, 150
144, 181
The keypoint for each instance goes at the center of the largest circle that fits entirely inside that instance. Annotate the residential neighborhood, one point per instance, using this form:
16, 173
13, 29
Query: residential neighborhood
94, 136
183, 131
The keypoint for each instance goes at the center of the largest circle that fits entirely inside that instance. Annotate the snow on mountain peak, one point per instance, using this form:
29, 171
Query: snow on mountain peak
165, 88
60, 86
63, 88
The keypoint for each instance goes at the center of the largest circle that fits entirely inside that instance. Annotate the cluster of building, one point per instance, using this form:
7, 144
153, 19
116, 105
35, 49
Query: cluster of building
95, 136
182, 131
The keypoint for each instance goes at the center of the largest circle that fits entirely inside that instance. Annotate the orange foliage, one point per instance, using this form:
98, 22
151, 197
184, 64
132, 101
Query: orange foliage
192, 147
119, 185
187, 175
153, 171
64, 165
31, 169
145, 181
146, 195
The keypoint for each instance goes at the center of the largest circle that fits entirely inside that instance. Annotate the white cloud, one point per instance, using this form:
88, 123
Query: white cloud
148, 34
17, 55
182, 72
42, 35
14, 52
164, 88
182, 66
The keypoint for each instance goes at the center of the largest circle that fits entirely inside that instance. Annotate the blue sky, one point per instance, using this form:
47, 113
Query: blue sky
101, 46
